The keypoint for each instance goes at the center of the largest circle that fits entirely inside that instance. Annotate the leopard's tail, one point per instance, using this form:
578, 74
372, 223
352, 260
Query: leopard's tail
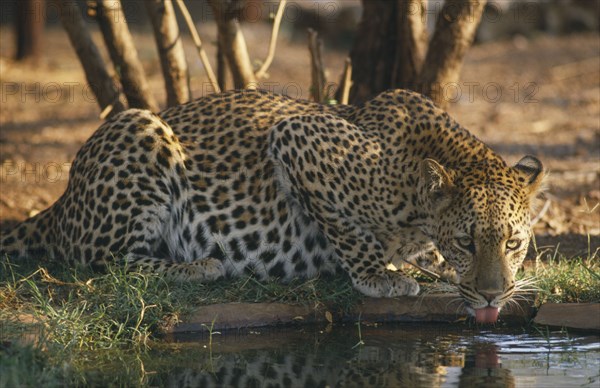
31, 238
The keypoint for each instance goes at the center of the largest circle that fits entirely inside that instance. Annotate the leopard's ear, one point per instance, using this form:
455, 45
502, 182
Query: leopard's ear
438, 182
531, 173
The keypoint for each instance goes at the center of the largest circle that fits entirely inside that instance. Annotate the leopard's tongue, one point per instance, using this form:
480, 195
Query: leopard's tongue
486, 315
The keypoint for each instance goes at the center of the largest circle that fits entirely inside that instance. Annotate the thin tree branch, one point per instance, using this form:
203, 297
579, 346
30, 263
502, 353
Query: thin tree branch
273, 43
198, 43
346, 82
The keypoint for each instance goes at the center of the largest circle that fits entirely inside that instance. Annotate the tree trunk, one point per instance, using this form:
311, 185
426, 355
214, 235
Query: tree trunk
221, 65
124, 55
317, 69
454, 33
102, 84
412, 43
232, 42
29, 29
170, 50
390, 47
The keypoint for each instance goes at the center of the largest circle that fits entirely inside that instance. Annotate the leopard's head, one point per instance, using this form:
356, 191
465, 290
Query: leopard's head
479, 219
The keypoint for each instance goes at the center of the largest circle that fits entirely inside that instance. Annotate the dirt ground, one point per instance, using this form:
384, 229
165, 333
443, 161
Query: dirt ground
537, 96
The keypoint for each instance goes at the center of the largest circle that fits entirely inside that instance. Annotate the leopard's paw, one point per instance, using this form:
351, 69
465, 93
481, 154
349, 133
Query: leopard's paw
206, 270
387, 284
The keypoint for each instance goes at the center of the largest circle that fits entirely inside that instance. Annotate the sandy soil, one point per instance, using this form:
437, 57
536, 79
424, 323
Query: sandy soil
539, 96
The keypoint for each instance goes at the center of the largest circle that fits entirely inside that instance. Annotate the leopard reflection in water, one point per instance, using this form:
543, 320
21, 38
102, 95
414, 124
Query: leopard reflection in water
387, 359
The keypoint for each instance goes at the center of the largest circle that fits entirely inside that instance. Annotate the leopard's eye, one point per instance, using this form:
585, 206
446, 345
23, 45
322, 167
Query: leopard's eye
513, 244
465, 242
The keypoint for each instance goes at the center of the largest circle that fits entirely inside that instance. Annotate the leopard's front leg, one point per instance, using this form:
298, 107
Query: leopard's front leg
363, 258
315, 163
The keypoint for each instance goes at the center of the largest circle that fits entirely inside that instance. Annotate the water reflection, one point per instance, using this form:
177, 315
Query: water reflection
390, 357
482, 368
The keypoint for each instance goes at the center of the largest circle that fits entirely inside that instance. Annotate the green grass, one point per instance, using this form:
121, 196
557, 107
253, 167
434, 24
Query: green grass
60, 326
560, 279
80, 312
90, 311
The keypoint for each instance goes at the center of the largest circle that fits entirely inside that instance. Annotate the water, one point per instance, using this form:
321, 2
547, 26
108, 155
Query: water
399, 356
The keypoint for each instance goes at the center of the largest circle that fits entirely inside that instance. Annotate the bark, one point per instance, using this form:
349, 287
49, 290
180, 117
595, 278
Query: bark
317, 69
345, 83
411, 36
29, 29
232, 42
102, 84
170, 50
454, 33
124, 55
221, 65
390, 47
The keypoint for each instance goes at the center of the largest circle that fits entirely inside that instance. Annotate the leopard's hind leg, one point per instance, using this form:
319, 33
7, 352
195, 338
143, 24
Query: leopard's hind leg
155, 186
315, 170
127, 188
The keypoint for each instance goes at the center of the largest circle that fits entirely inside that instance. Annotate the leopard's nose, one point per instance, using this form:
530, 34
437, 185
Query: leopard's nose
490, 294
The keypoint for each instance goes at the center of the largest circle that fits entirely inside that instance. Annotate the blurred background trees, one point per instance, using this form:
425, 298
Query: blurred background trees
414, 44
29, 26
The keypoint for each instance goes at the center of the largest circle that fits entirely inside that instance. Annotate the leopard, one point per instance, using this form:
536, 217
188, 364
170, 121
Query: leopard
249, 182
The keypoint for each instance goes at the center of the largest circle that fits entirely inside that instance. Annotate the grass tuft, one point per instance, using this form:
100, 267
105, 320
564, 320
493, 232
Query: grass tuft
78, 311
81, 310
567, 280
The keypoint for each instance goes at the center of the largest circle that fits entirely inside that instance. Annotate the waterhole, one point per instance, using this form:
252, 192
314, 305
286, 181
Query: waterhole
384, 356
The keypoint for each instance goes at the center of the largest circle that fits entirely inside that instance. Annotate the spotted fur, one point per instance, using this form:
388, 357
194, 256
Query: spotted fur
251, 182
